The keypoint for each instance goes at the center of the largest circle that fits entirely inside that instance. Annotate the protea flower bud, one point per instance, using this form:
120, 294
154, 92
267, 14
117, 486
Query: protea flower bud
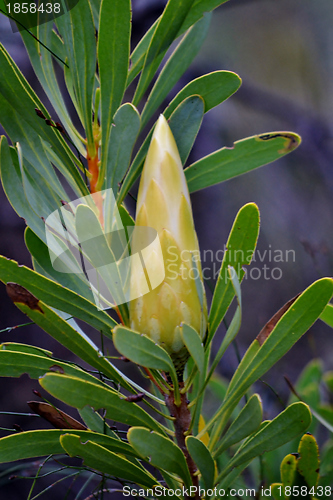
164, 205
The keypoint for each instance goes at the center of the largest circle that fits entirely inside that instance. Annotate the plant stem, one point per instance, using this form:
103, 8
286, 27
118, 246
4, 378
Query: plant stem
182, 422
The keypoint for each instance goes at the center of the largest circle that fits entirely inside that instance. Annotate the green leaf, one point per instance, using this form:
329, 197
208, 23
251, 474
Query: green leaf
239, 250
308, 463
12, 183
46, 442
160, 451
78, 32
123, 134
288, 470
55, 295
246, 422
199, 7
294, 420
101, 459
327, 315
42, 63
78, 393
113, 61
175, 67
293, 324
194, 345
242, 157
15, 363
29, 349
59, 329
142, 350
164, 34
95, 422
17, 108
203, 459
214, 88
185, 123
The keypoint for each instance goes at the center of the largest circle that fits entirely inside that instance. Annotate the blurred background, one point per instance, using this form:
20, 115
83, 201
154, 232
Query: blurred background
283, 51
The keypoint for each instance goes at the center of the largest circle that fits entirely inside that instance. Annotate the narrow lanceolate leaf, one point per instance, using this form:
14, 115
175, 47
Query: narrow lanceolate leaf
123, 134
185, 123
175, 67
166, 31
288, 469
327, 315
244, 156
78, 32
42, 62
293, 324
113, 61
214, 88
198, 9
246, 422
46, 442
194, 345
203, 459
79, 393
143, 351
17, 108
308, 462
15, 363
288, 425
55, 295
99, 458
160, 451
61, 330
239, 250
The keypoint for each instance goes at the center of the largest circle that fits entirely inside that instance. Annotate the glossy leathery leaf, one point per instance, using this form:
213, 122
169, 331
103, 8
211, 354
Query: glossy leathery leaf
17, 103
25, 348
246, 422
327, 315
242, 157
293, 324
15, 363
142, 350
100, 458
294, 420
78, 32
198, 9
239, 250
55, 295
79, 394
165, 33
62, 331
113, 61
42, 63
175, 67
194, 345
160, 451
203, 459
46, 442
185, 123
308, 462
288, 470
123, 134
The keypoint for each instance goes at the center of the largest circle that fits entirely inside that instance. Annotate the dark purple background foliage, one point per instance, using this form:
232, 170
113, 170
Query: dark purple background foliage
283, 52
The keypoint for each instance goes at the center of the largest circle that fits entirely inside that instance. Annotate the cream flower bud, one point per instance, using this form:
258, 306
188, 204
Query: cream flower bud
164, 205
